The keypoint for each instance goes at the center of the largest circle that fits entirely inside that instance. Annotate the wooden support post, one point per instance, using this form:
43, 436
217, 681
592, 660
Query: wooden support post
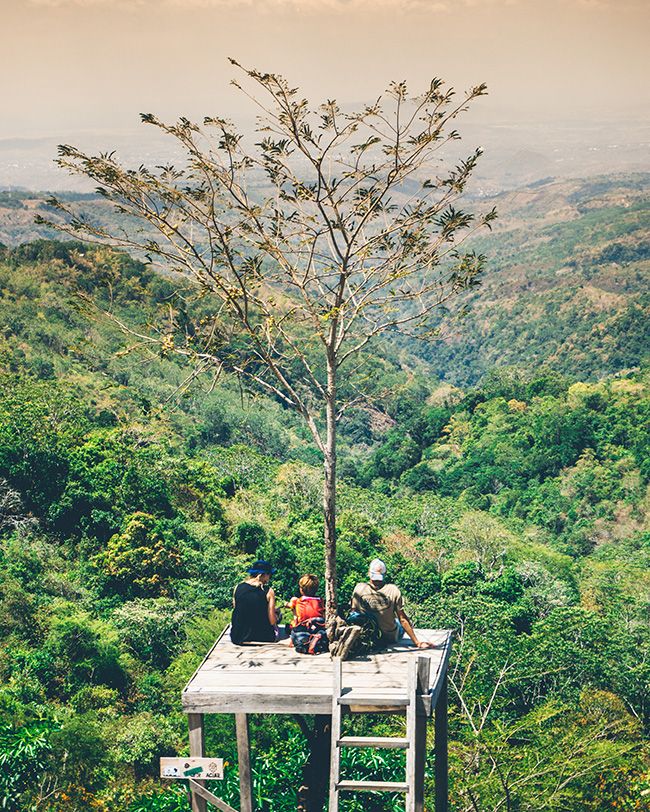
440, 750
244, 760
424, 666
335, 759
417, 723
197, 748
411, 727
420, 761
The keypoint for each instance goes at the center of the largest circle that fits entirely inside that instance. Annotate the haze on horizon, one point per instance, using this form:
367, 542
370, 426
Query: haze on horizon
85, 69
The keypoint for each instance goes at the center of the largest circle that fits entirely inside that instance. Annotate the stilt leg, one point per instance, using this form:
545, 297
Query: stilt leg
440, 749
197, 748
411, 735
420, 761
244, 758
335, 758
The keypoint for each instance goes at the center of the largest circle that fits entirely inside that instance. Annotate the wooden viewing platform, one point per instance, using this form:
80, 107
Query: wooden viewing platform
273, 678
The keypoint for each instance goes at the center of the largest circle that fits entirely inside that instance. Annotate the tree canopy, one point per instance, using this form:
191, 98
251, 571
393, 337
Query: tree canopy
334, 228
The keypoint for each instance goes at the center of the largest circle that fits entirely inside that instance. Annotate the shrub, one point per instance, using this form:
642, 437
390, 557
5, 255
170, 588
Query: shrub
95, 697
78, 651
140, 740
507, 587
79, 752
417, 581
420, 478
248, 536
23, 755
461, 577
215, 571
145, 558
151, 629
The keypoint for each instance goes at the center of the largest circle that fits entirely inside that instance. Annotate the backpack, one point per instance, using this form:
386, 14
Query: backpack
370, 638
310, 637
307, 608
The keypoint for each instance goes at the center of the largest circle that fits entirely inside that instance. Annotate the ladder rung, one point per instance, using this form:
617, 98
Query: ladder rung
373, 741
373, 786
374, 701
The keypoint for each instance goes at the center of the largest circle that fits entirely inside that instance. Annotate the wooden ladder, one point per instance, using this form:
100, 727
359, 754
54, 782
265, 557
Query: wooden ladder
408, 743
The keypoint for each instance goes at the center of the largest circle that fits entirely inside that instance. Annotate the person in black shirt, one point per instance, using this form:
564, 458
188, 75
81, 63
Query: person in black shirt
254, 616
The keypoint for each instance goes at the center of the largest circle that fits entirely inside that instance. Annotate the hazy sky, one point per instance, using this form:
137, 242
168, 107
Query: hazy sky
72, 65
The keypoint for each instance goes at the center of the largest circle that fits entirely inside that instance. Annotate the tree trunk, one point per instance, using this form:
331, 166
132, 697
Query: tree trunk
316, 772
329, 500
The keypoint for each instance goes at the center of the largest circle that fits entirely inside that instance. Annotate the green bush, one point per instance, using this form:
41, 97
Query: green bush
79, 752
508, 586
420, 478
248, 536
146, 557
140, 740
24, 752
151, 629
417, 581
460, 577
78, 651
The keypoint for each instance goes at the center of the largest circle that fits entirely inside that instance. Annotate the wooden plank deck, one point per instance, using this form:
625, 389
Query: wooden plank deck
273, 678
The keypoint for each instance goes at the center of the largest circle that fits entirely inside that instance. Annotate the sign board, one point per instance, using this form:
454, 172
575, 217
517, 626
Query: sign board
200, 769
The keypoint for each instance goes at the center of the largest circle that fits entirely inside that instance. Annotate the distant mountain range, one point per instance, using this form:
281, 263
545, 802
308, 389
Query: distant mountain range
568, 282
517, 150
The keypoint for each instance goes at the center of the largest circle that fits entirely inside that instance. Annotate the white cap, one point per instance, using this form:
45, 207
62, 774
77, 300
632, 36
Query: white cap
377, 570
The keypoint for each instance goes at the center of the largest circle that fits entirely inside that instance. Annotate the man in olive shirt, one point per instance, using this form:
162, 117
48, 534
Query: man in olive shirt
385, 603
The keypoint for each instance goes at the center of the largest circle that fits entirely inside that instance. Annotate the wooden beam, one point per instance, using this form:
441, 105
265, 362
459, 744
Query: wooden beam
197, 748
420, 761
374, 786
205, 795
335, 758
273, 703
440, 750
256, 703
420, 745
244, 760
411, 716
440, 672
424, 674
387, 742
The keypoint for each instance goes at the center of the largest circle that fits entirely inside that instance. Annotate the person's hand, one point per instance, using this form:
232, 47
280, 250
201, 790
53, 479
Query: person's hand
270, 593
424, 644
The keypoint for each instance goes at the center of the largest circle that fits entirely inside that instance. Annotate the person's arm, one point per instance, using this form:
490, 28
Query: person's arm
408, 628
292, 605
270, 598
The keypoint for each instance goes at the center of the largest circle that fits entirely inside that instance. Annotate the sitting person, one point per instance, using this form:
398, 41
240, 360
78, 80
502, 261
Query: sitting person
384, 602
307, 605
308, 632
254, 616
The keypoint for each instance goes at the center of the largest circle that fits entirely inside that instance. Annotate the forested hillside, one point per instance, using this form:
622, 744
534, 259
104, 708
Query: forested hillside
514, 510
567, 286
567, 281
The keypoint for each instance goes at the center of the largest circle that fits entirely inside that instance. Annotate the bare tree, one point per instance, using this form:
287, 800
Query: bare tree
333, 229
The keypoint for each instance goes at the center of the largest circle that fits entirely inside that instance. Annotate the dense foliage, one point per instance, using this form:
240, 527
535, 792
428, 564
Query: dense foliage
516, 513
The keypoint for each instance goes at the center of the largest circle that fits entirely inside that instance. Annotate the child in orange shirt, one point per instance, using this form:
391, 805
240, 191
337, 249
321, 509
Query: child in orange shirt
307, 605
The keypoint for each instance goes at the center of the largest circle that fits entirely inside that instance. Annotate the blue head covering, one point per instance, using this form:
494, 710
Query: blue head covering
261, 568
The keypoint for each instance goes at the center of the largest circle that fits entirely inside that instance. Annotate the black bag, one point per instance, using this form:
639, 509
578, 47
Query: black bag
310, 637
370, 638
